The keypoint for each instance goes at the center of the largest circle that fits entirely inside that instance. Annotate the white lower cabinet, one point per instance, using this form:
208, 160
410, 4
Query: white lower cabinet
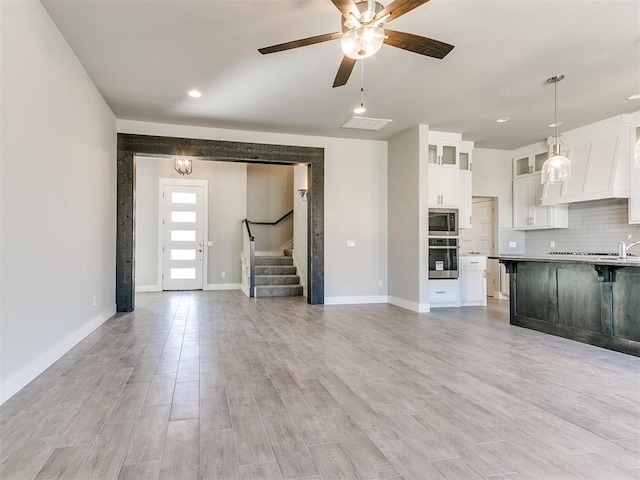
444, 293
473, 280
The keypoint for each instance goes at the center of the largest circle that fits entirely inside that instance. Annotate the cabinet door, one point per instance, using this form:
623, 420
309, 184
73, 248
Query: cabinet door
634, 180
465, 199
449, 155
540, 216
521, 203
448, 186
434, 195
473, 285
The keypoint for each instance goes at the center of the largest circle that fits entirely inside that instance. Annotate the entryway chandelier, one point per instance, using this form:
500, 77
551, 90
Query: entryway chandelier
183, 165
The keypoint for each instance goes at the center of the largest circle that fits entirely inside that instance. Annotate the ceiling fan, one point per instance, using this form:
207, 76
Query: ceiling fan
362, 34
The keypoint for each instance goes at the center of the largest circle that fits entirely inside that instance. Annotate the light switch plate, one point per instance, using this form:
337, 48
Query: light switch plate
210, 243
351, 243
512, 245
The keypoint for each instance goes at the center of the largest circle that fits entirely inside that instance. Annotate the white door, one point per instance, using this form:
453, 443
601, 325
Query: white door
483, 226
182, 218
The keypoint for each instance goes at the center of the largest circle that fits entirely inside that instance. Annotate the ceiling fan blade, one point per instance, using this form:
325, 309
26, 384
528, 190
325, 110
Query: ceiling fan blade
397, 8
303, 42
417, 44
344, 72
346, 7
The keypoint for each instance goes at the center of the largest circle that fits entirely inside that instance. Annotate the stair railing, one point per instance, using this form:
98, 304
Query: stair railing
249, 253
290, 212
249, 250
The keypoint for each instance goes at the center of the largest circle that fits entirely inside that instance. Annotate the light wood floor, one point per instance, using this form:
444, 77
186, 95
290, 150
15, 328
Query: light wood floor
213, 385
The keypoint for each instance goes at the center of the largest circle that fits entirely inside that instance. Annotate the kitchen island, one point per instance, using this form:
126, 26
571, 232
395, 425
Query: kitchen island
590, 299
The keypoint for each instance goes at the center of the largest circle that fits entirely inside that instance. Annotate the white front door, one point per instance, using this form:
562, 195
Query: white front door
182, 223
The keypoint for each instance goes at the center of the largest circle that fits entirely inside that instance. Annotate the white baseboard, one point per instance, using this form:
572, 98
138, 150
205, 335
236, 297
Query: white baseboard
22, 377
223, 286
148, 288
355, 300
413, 306
245, 290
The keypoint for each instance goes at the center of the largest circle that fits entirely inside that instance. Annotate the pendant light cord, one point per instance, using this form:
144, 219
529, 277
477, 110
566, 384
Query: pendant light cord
555, 114
362, 82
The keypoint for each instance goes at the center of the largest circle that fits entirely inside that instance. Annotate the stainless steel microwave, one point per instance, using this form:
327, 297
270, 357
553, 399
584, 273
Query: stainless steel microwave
443, 222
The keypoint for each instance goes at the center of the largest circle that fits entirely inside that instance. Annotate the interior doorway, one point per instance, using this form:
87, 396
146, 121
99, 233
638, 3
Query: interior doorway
481, 238
183, 227
132, 145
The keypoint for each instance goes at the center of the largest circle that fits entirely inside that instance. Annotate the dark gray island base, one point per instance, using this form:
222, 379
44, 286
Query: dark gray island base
590, 300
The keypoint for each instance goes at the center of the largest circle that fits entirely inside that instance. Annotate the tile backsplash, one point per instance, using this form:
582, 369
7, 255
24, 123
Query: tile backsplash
596, 226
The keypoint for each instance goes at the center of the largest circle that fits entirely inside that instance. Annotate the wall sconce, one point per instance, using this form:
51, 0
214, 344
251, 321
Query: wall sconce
183, 165
303, 193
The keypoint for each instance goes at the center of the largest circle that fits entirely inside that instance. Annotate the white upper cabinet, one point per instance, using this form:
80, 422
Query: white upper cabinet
465, 199
634, 177
528, 214
599, 155
449, 156
443, 187
531, 162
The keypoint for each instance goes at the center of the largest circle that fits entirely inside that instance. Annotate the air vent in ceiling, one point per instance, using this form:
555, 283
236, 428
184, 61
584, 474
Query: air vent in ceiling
364, 123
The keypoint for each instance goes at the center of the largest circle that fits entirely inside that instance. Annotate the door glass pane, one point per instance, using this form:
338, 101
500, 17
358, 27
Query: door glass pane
464, 161
540, 159
433, 154
183, 217
522, 166
183, 273
448, 155
183, 197
183, 254
183, 235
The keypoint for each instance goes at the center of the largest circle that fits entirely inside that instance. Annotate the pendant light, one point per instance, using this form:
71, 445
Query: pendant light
360, 109
557, 168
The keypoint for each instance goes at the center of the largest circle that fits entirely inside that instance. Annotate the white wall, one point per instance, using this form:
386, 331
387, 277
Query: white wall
269, 197
300, 224
355, 204
58, 198
227, 208
404, 214
492, 177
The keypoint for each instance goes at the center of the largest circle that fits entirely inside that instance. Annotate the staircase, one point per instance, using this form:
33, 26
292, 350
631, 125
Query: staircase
276, 277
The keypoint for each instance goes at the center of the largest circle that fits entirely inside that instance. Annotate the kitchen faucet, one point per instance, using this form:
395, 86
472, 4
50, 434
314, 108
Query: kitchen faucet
624, 248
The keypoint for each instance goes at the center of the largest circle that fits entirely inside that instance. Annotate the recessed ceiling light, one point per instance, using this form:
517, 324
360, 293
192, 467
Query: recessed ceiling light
635, 96
503, 119
195, 93
554, 125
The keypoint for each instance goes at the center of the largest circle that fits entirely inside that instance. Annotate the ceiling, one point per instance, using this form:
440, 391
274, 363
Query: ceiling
144, 55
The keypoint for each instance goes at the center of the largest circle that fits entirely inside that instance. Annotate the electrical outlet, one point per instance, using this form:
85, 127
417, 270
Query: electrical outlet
380, 283
512, 245
94, 300
351, 243
224, 274
552, 244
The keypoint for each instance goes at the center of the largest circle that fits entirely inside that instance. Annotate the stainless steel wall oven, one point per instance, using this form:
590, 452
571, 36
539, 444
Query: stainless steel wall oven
443, 257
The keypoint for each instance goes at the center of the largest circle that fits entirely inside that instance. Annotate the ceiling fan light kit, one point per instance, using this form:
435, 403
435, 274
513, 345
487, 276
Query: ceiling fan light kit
363, 35
362, 42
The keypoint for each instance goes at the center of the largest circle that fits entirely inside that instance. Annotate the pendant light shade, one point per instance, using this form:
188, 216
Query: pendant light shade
557, 168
